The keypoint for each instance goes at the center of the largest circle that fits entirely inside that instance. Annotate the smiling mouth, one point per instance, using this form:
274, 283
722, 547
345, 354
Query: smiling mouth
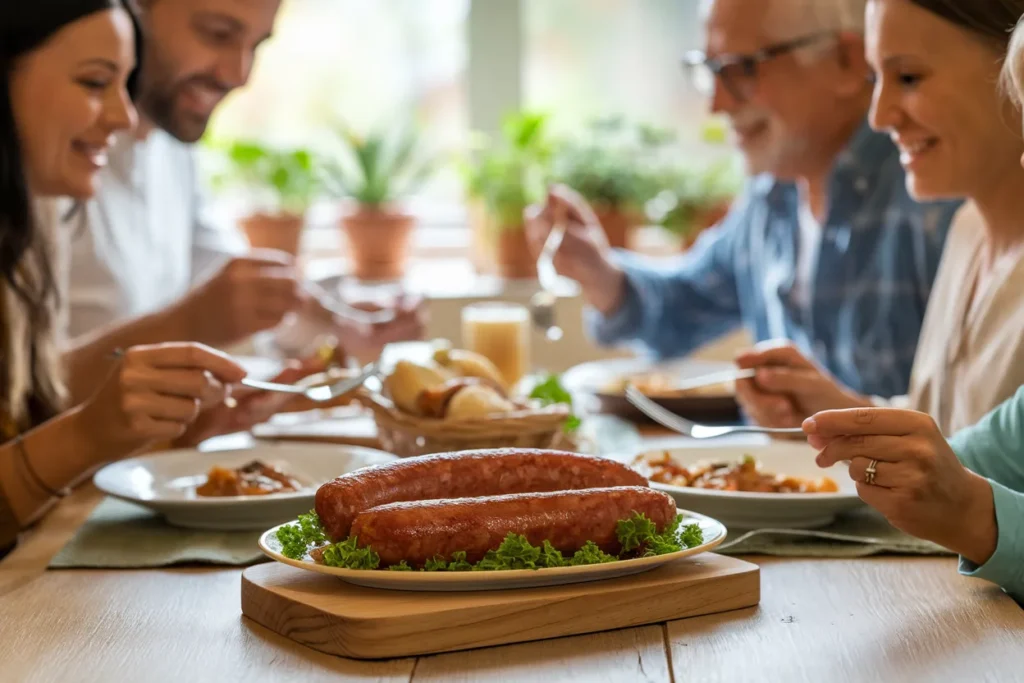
95, 154
910, 152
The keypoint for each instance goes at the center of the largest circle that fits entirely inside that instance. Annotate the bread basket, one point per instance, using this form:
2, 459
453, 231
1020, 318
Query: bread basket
407, 435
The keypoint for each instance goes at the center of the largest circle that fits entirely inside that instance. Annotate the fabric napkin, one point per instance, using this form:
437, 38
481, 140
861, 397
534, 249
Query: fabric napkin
858, 534
122, 535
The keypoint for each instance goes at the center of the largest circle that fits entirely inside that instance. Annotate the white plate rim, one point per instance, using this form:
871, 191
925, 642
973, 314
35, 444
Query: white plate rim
222, 501
615, 368
400, 579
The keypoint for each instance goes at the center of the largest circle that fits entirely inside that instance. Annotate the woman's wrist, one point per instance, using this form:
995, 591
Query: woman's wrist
976, 530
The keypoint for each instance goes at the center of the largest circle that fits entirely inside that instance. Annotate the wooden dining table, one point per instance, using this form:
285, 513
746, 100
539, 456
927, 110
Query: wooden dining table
887, 618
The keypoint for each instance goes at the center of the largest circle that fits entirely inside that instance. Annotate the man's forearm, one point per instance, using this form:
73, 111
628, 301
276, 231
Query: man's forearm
89, 359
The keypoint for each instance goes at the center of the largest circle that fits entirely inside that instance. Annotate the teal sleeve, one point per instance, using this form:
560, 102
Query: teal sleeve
1006, 566
994, 448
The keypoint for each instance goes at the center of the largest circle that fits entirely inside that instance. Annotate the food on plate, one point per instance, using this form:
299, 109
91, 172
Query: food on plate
477, 401
465, 474
405, 383
745, 475
417, 531
253, 479
662, 385
465, 363
487, 510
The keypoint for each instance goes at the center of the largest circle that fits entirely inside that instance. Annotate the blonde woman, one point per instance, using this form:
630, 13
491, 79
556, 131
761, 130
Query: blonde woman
966, 494
959, 136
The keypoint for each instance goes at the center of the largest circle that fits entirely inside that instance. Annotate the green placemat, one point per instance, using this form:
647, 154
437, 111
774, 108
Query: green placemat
121, 535
856, 535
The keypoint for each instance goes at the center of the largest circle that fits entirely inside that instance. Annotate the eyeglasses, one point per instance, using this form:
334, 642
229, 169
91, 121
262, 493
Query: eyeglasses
738, 72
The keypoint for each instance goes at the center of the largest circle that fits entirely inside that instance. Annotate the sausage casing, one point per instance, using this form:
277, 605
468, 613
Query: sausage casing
420, 530
466, 474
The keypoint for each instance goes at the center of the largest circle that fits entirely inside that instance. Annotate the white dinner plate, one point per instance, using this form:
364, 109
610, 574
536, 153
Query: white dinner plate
166, 482
593, 377
714, 534
740, 510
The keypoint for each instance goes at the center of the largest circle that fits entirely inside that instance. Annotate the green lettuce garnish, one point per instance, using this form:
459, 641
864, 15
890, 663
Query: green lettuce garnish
639, 532
551, 392
591, 554
348, 555
638, 535
296, 539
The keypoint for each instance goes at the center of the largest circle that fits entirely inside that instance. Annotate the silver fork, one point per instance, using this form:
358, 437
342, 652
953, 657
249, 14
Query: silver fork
319, 394
346, 310
542, 304
692, 429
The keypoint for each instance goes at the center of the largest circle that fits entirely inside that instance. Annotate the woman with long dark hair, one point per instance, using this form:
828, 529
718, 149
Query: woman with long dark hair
65, 79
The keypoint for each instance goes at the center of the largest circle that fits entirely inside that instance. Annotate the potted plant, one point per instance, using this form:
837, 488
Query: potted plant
279, 184
697, 196
502, 179
614, 167
377, 173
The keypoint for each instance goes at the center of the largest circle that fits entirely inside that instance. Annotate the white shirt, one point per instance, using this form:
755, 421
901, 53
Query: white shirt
142, 242
808, 246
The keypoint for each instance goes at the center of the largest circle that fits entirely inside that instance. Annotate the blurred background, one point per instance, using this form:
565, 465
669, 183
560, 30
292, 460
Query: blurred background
397, 141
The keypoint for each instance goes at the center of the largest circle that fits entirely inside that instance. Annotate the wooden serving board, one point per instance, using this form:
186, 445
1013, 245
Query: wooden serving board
338, 618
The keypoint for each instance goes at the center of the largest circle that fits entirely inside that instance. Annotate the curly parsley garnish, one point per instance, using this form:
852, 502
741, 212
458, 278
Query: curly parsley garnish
551, 392
638, 535
297, 539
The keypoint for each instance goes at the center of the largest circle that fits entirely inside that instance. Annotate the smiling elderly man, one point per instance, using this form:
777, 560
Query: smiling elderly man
824, 247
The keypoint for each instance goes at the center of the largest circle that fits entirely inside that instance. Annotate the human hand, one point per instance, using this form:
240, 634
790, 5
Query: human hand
250, 407
248, 295
584, 254
789, 387
366, 341
154, 393
919, 485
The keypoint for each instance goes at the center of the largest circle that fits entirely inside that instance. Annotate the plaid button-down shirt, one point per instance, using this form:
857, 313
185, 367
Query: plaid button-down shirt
878, 256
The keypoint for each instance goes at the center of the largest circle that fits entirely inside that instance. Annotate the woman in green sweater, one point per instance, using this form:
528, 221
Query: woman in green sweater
966, 494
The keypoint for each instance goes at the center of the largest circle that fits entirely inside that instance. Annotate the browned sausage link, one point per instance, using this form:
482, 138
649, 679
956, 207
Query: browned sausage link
464, 475
418, 531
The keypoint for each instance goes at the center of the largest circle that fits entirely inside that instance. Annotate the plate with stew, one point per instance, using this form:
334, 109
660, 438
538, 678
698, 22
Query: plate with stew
775, 486
250, 488
605, 382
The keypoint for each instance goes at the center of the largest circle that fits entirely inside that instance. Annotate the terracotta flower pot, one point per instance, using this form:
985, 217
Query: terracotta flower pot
618, 225
512, 254
280, 231
378, 242
708, 218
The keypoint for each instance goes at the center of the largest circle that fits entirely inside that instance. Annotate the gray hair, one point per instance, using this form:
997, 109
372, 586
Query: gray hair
791, 18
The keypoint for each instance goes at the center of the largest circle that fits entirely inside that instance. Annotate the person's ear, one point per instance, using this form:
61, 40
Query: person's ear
853, 75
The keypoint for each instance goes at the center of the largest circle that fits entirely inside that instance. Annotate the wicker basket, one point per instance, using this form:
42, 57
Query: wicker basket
408, 435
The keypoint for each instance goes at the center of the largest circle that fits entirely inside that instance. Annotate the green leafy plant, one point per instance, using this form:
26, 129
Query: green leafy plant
638, 535
614, 164
510, 173
690, 191
284, 179
378, 169
550, 391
